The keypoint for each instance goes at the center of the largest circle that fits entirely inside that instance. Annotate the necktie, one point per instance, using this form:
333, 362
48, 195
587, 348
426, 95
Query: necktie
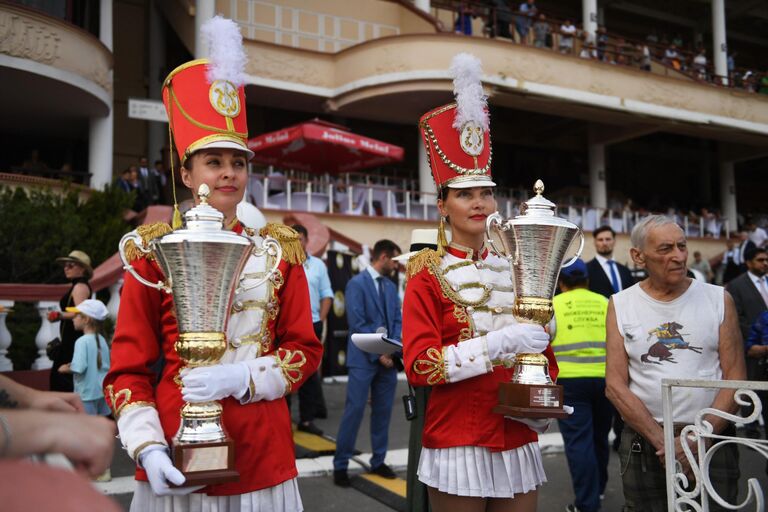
762, 289
383, 301
614, 277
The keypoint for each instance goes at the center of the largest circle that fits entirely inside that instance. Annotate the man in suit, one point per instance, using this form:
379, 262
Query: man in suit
745, 246
373, 306
607, 276
750, 294
149, 181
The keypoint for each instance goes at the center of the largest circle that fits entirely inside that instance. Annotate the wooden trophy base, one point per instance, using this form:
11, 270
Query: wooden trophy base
206, 463
531, 401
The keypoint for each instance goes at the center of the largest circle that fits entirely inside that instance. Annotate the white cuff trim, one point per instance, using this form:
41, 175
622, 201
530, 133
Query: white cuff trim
267, 379
139, 428
467, 359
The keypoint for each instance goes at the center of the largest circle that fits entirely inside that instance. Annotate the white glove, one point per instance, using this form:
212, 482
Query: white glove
517, 338
215, 382
539, 425
160, 470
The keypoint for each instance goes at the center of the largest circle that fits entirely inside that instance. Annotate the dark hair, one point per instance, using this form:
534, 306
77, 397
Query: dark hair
574, 281
602, 229
387, 247
300, 230
753, 252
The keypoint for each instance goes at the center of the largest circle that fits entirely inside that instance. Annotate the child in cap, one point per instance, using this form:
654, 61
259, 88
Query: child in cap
90, 361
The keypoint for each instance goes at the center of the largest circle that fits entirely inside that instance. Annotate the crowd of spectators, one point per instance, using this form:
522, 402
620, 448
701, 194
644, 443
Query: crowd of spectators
526, 24
150, 184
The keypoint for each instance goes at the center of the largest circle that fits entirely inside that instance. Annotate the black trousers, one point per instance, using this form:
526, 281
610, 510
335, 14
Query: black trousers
311, 399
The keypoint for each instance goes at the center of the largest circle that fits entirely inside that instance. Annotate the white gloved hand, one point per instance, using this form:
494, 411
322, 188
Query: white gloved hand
215, 382
160, 470
539, 425
517, 338
542, 424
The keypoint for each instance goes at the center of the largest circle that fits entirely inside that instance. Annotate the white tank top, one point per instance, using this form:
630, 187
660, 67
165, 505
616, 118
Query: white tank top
676, 339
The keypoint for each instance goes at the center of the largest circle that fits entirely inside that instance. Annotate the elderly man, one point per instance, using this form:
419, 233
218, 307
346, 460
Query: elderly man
669, 326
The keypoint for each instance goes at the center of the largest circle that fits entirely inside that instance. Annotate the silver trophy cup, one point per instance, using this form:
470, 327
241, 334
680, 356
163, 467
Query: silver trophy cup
535, 243
202, 265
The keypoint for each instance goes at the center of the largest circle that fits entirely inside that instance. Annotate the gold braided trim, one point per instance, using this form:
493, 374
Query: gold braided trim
465, 334
293, 252
248, 305
137, 451
125, 404
215, 129
182, 67
495, 310
202, 336
291, 369
428, 258
147, 232
465, 171
458, 265
506, 363
251, 387
460, 314
199, 143
469, 286
433, 367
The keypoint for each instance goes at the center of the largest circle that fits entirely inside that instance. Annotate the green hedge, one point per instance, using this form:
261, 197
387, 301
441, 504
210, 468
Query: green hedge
38, 226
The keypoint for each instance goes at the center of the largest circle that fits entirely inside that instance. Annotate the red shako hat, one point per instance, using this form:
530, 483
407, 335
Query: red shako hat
457, 136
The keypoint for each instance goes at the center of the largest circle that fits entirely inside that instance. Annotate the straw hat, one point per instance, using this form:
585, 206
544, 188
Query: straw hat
80, 258
420, 239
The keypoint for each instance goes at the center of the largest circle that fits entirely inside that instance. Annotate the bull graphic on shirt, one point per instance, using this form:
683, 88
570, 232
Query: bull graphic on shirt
668, 338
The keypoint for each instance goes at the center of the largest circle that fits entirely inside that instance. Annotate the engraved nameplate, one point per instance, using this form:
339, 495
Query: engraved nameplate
204, 458
544, 397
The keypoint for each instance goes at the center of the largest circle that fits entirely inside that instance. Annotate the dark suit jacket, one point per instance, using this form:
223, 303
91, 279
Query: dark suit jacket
743, 248
599, 282
364, 314
749, 302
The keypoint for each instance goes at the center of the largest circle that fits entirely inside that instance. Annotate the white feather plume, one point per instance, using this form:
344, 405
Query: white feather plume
226, 54
472, 102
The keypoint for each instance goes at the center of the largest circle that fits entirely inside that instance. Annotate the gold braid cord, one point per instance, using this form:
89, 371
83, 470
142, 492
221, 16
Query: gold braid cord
433, 367
125, 404
429, 259
147, 232
293, 253
291, 369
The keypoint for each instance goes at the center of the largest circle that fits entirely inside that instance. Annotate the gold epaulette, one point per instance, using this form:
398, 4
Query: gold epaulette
147, 232
424, 258
288, 238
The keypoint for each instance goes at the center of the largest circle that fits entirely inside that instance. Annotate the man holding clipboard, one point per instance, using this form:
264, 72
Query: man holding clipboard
373, 306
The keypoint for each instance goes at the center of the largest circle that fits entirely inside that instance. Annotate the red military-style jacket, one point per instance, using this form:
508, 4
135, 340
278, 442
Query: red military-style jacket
272, 320
461, 297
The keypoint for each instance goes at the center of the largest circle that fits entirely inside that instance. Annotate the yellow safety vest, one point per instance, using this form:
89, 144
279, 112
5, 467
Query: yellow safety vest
579, 343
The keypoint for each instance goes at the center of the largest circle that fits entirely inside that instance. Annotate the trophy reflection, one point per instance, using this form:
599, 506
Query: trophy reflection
202, 264
535, 243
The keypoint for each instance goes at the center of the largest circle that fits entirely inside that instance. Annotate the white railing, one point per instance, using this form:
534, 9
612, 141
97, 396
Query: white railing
47, 330
363, 197
302, 28
695, 494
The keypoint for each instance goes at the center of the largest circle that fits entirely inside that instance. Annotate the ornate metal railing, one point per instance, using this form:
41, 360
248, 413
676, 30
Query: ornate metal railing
694, 492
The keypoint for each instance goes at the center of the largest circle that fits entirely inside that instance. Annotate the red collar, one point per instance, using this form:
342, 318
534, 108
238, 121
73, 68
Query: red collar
463, 252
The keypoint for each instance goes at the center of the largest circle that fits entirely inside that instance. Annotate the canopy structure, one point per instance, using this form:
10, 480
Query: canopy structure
321, 147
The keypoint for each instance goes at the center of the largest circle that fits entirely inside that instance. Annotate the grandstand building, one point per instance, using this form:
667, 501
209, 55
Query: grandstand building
612, 122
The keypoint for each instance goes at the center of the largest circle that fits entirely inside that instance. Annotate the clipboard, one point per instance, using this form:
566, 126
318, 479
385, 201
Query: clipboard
376, 343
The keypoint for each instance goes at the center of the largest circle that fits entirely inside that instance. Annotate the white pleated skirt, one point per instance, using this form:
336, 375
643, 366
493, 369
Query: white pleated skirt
478, 472
283, 497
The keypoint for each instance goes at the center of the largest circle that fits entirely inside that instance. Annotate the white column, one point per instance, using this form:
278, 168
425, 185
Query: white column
204, 10
47, 332
728, 194
426, 183
598, 191
424, 5
113, 306
589, 16
100, 138
5, 337
719, 45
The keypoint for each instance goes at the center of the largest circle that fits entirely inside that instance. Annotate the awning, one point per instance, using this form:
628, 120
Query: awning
322, 147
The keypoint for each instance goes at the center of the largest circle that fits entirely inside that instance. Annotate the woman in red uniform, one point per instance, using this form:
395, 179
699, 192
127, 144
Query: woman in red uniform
206, 108
459, 335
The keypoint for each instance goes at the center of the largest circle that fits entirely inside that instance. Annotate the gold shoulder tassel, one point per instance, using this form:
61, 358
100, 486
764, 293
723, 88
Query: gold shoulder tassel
424, 258
147, 232
293, 253
442, 240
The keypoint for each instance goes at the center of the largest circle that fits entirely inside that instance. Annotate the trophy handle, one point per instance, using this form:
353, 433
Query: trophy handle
271, 247
578, 253
139, 243
494, 220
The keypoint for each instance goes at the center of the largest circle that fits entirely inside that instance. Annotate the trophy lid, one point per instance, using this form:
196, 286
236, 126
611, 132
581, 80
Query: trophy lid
538, 206
204, 217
